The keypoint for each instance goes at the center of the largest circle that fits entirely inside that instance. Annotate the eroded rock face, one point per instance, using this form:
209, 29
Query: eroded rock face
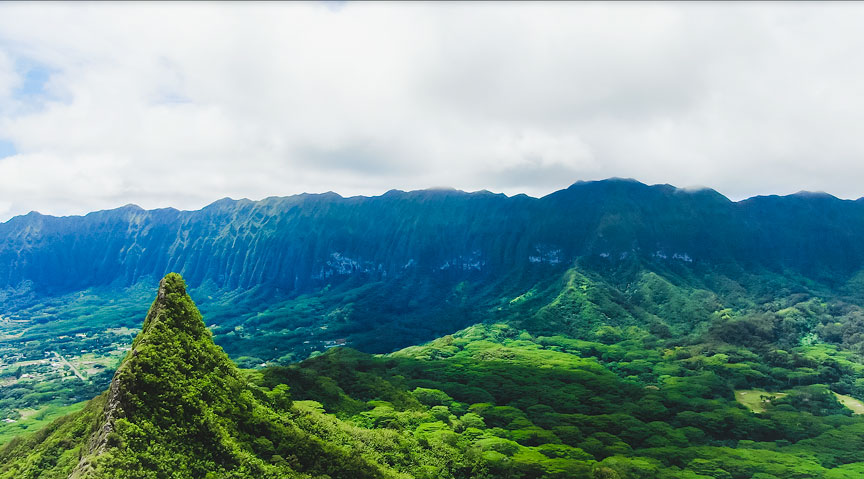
301, 242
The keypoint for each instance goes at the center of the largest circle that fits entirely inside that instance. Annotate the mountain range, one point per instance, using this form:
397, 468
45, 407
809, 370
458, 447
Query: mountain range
438, 258
611, 330
298, 243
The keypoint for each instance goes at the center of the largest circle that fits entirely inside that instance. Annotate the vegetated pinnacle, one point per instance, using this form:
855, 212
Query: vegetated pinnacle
172, 309
171, 283
172, 355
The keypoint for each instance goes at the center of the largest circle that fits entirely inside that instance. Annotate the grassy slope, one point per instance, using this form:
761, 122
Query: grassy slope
37, 420
753, 400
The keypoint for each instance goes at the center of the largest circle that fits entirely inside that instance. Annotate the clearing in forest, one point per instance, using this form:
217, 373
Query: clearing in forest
757, 399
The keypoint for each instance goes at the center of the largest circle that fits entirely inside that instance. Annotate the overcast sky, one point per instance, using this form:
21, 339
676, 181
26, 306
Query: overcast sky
182, 104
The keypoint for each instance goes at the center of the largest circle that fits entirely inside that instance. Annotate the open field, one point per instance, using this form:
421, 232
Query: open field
854, 404
50, 372
32, 420
752, 400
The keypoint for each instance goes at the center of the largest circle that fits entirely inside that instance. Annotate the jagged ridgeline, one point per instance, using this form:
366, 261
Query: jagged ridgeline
178, 407
282, 278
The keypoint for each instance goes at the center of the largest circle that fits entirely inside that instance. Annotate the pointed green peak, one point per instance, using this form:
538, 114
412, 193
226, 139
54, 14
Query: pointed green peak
179, 408
173, 339
172, 283
165, 392
174, 310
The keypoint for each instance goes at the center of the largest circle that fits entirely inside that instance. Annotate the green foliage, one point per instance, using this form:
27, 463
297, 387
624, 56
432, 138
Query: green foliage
594, 418
583, 379
179, 408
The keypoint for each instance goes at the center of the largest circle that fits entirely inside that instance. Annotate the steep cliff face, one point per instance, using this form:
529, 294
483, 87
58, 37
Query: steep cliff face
283, 277
300, 242
289, 243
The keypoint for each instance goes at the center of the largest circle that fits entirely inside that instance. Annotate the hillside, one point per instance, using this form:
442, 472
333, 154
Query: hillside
415, 264
284, 279
296, 244
177, 407
491, 401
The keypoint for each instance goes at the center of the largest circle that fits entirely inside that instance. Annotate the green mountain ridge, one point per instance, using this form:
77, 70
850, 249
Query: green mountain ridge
284, 264
490, 401
178, 407
608, 330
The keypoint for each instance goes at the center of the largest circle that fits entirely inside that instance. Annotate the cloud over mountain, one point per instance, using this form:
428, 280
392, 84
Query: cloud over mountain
102, 105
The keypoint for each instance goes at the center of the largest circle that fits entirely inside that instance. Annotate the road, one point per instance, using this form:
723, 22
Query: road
73, 368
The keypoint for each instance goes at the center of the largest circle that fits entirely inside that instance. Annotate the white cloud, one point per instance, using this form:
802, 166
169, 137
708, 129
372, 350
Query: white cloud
180, 104
9, 80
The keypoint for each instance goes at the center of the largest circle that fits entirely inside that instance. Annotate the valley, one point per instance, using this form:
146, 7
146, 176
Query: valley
50, 377
431, 240
604, 331
489, 401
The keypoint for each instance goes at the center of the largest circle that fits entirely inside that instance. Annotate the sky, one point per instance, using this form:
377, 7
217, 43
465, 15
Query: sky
180, 104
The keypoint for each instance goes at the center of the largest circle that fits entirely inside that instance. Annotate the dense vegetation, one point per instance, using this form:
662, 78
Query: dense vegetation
177, 407
621, 406
491, 401
608, 331
301, 273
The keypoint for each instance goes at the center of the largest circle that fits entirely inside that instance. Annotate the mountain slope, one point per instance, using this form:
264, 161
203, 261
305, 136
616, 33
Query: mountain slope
283, 279
318, 269
623, 408
294, 244
489, 402
177, 407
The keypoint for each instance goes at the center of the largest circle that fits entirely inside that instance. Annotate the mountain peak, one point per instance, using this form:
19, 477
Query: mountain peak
171, 356
172, 312
178, 407
171, 284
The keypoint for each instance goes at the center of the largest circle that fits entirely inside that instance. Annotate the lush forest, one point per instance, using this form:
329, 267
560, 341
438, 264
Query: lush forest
281, 278
610, 330
493, 400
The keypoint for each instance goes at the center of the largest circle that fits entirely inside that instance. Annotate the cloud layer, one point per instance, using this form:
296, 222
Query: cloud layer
181, 104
